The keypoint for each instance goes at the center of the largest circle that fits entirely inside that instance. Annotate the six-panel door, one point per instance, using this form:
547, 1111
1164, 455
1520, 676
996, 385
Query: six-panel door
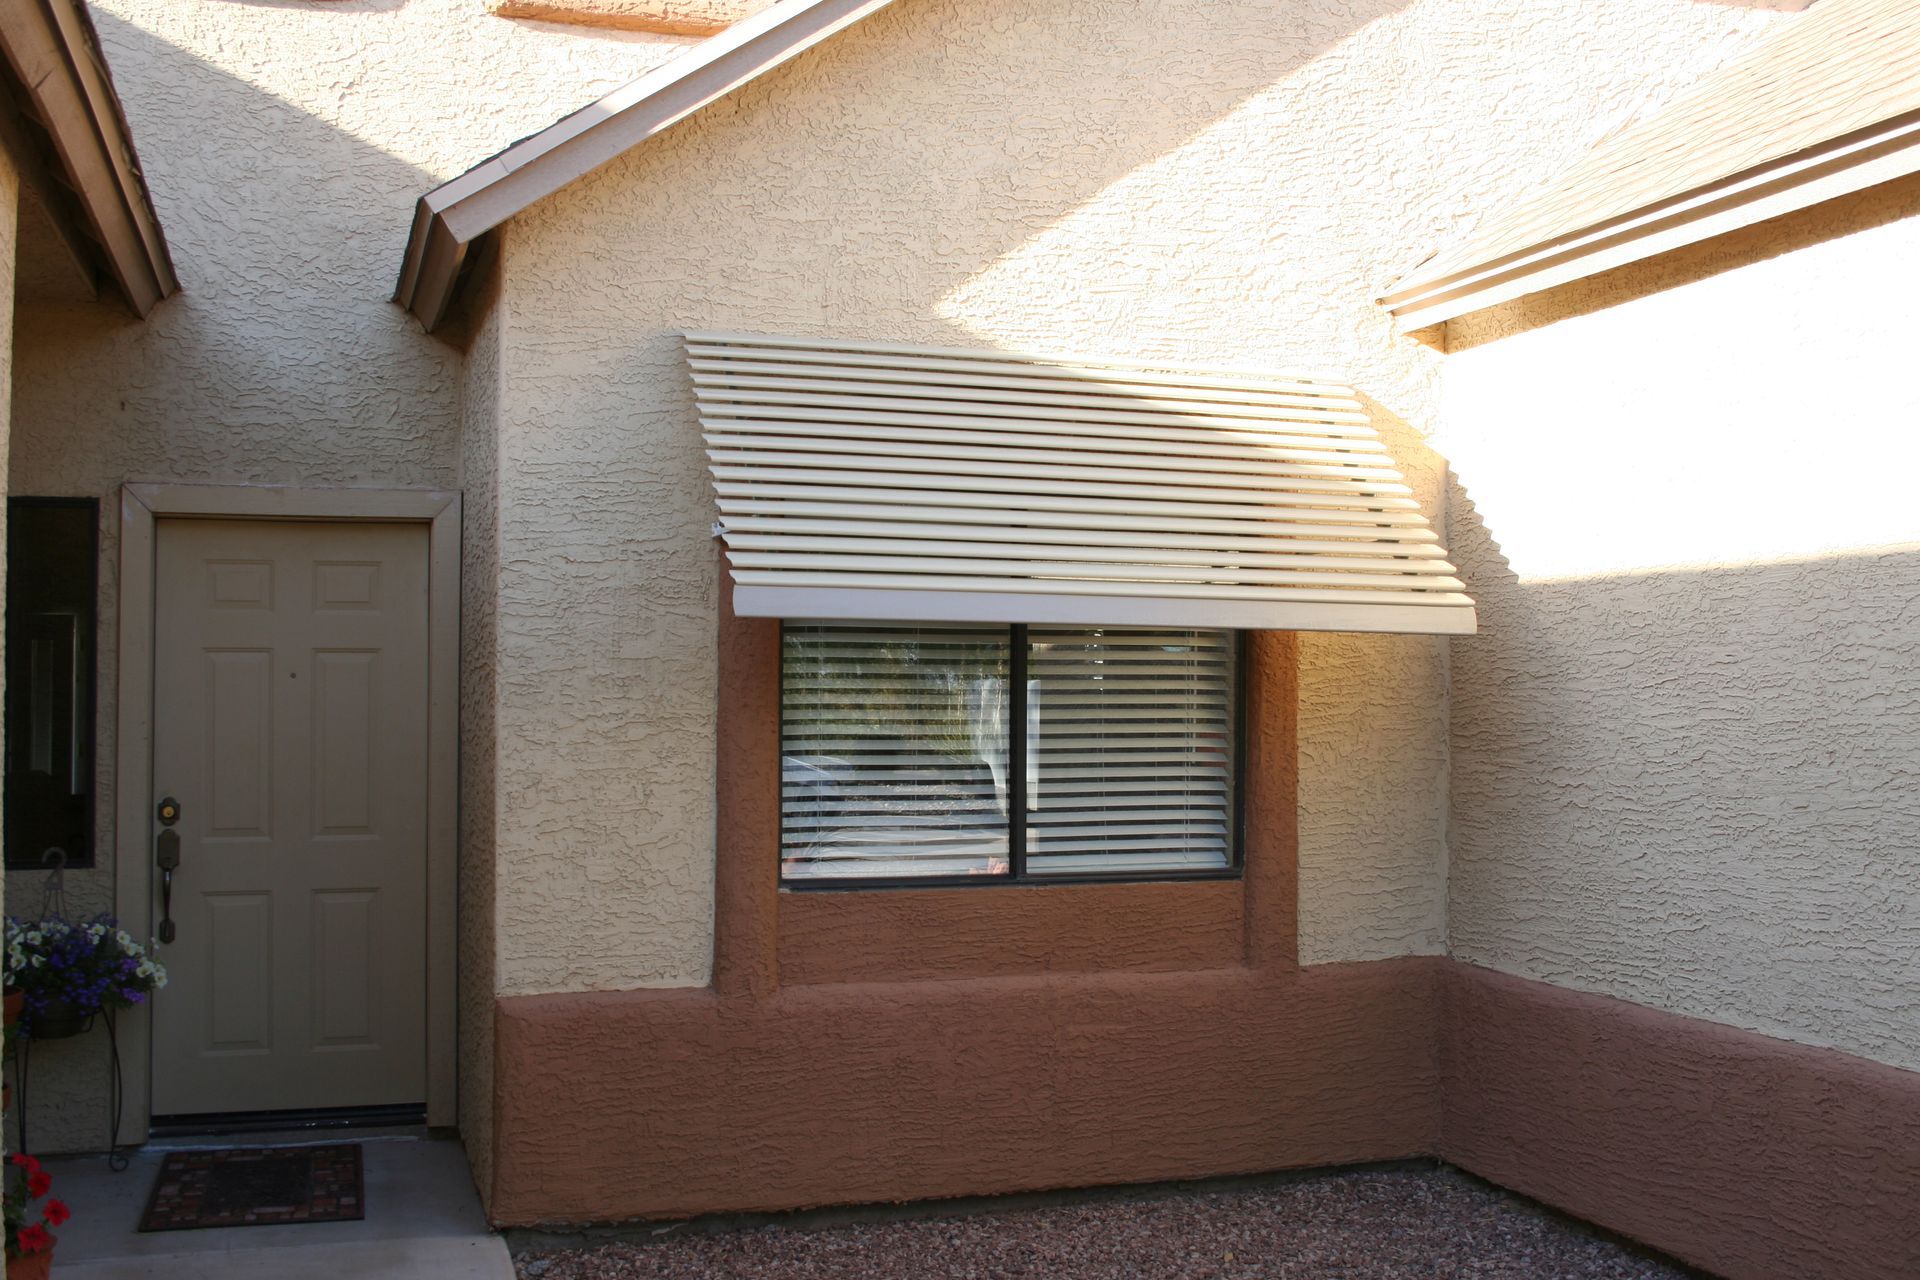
290, 722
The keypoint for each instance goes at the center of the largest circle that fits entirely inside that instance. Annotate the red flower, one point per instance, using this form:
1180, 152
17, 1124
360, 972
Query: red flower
35, 1239
57, 1213
38, 1183
26, 1162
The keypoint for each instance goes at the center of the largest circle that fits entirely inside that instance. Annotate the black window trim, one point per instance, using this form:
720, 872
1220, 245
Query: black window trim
1017, 876
90, 859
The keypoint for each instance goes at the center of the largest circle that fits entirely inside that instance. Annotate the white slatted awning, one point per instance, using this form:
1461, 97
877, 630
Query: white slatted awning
882, 481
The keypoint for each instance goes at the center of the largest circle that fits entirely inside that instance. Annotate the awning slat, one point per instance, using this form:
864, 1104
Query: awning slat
1081, 499
1074, 525
1104, 482
907, 413
836, 371
1266, 450
1118, 409
895, 482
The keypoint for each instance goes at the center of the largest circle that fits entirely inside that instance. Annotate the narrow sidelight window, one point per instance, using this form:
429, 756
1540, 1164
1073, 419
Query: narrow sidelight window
52, 550
974, 753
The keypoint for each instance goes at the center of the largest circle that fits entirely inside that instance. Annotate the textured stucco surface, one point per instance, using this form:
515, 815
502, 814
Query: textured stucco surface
898, 1091
479, 569
1206, 181
1749, 1157
285, 145
1687, 740
9, 250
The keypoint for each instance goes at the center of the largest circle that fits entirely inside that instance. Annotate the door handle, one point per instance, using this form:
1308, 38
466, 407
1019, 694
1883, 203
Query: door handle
166, 856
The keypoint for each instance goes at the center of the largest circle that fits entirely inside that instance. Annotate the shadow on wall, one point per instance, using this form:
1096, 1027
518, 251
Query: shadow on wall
281, 362
1683, 742
994, 166
1691, 788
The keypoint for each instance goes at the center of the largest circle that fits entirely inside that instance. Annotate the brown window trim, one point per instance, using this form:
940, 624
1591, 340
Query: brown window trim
766, 938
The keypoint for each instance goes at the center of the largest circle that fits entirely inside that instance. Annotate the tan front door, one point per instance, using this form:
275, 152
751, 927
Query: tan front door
290, 723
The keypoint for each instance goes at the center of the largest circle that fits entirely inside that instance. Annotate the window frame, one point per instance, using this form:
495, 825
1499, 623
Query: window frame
90, 714
1017, 875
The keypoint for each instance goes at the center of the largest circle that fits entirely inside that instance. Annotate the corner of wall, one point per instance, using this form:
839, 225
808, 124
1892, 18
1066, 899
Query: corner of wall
9, 248
479, 572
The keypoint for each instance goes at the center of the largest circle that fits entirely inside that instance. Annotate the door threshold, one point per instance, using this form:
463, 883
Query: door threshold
297, 1123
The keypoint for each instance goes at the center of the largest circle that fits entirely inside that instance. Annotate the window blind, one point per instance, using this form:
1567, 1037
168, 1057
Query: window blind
905, 749
1130, 750
894, 750
874, 480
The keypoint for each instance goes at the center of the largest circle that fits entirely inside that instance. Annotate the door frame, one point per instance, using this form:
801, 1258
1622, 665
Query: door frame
141, 507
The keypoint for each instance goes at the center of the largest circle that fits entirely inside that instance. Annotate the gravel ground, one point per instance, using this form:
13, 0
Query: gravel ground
1370, 1225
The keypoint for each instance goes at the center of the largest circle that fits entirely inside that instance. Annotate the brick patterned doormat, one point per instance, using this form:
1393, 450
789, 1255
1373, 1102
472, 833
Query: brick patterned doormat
256, 1187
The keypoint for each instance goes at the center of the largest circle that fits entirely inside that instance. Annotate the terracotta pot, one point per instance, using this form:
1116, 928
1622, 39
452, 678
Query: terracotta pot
16, 1001
29, 1266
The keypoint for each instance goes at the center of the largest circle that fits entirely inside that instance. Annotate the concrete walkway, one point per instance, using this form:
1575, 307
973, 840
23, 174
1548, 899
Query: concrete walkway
423, 1221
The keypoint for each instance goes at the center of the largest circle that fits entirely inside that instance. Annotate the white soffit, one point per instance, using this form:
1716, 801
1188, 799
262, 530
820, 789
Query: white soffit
874, 480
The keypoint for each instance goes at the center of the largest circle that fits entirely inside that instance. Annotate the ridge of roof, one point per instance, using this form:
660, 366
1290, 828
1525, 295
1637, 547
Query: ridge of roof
1827, 105
449, 219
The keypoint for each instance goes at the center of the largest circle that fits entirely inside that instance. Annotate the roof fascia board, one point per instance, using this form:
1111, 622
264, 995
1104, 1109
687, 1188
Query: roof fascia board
479, 200
1865, 158
51, 47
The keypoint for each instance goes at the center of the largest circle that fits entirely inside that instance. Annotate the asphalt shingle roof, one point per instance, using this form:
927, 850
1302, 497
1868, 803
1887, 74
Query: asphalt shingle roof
1845, 65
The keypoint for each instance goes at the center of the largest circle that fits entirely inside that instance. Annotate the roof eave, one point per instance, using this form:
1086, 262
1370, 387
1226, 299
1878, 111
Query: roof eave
453, 215
1865, 158
59, 76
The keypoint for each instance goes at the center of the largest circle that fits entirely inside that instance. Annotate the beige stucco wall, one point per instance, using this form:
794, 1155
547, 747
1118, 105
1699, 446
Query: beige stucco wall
479, 797
1685, 742
285, 145
1203, 179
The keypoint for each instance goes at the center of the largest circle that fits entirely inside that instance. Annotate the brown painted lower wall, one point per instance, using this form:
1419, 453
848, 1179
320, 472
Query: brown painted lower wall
679, 1102
1750, 1156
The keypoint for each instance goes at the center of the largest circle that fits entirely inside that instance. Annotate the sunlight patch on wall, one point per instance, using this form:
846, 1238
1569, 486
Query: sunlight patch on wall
1771, 412
1325, 196
1272, 185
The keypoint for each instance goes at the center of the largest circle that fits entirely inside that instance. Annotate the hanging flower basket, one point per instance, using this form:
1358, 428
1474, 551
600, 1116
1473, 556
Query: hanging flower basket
66, 973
